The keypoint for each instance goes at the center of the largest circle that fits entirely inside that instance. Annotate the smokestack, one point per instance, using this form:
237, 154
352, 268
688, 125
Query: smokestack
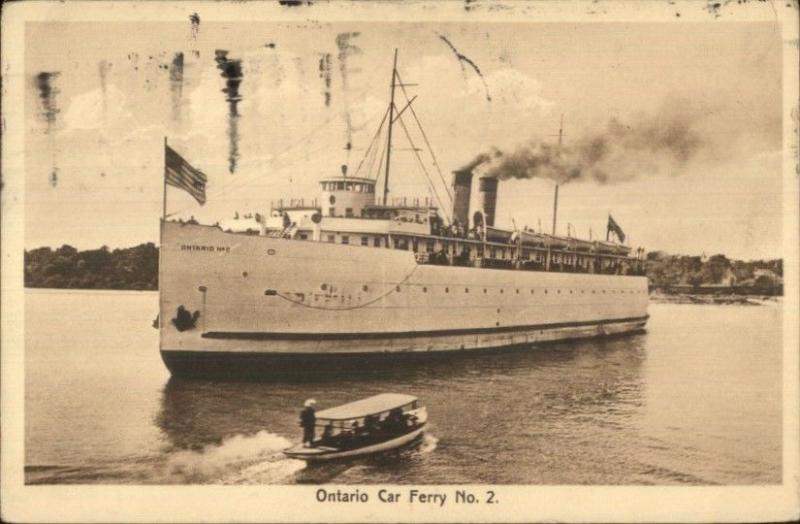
555, 210
487, 187
462, 186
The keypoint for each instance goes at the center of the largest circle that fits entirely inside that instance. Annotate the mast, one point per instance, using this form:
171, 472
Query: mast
555, 210
555, 198
389, 137
164, 193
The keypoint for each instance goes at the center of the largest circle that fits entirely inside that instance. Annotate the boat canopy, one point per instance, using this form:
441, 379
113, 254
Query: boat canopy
366, 406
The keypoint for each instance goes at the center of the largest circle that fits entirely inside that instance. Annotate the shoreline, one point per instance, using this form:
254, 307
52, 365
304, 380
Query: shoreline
719, 300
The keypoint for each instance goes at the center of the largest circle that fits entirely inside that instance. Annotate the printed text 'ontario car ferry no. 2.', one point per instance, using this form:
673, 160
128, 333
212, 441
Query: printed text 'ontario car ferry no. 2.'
352, 279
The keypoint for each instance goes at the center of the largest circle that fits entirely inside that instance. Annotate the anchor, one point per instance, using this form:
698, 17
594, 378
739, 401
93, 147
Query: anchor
184, 319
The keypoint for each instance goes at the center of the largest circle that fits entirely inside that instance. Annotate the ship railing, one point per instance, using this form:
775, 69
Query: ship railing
293, 203
477, 253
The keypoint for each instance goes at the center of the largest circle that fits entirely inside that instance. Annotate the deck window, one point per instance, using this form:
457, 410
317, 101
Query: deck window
377, 242
348, 211
331, 238
332, 211
345, 239
364, 241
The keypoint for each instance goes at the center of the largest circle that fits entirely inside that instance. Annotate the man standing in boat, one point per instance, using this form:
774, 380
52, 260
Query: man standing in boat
308, 420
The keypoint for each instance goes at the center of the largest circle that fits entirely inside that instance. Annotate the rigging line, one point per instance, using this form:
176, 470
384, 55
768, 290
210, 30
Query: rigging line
393, 289
239, 182
276, 168
227, 190
422, 165
211, 192
380, 163
367, 154
427, 143
374, 139
378, 139
298, 143
374, 155
431, 190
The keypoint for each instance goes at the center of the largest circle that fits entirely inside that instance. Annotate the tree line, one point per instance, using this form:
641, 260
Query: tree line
136, 268
667, 272
66, 267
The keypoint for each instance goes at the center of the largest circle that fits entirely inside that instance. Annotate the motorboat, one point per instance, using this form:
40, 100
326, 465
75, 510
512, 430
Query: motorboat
371, 425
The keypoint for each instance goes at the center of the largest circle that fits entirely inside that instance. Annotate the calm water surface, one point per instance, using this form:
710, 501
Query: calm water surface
695, 400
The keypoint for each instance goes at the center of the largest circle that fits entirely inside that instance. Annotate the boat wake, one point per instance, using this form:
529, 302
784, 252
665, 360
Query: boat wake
428, 444
241, 459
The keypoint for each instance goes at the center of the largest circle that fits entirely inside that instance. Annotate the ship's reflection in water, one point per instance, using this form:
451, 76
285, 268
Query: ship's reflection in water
695, 400
495, 417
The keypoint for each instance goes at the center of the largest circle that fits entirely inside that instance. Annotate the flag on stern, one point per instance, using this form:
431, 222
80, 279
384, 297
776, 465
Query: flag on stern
179, 173
613, 226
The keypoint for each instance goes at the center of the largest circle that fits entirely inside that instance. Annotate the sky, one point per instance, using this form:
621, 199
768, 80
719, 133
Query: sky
101, 98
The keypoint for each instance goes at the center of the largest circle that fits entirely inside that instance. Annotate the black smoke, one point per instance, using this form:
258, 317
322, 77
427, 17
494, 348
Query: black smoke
663, 143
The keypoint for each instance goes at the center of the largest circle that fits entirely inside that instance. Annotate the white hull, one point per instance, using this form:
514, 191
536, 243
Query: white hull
290, 299
325, 454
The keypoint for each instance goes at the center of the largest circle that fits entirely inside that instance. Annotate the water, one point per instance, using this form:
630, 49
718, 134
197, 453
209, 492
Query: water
695, 400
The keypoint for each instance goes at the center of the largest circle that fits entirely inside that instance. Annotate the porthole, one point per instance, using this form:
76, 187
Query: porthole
501, 291
558, 291
531, 292
365, 287
518, 292
545, 291
397, 288
447, 290
323, 287
466, 290
424, 290
244, 274
484, 290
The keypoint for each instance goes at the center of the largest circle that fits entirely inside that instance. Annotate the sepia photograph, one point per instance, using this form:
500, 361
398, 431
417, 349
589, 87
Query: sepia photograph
400, 261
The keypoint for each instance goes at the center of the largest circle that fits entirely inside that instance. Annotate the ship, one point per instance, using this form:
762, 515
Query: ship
350, 280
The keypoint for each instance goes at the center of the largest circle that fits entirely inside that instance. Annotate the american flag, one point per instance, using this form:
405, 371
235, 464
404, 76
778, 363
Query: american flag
179, 173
